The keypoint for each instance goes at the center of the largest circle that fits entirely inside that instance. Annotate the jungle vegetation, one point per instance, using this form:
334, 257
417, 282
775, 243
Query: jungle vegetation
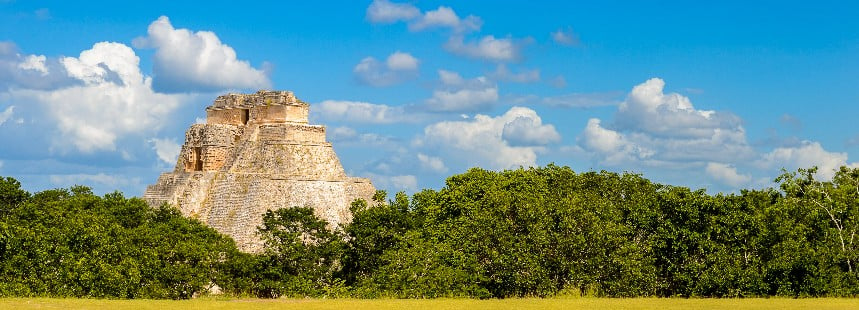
530, 232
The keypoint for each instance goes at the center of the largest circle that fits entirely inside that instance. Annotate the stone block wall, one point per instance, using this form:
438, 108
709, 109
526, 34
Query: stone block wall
279, 114
207, 147
233, 206
292, 132
261, 97
308, 161
261, 107
227, 117
214, 157
230, 172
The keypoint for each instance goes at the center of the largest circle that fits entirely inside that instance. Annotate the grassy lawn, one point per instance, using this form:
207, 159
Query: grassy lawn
413, 304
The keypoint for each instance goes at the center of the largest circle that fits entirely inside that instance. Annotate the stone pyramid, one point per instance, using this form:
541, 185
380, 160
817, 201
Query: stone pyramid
257, 152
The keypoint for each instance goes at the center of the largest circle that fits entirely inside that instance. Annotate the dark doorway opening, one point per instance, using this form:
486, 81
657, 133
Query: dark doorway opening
198, 159
246, 115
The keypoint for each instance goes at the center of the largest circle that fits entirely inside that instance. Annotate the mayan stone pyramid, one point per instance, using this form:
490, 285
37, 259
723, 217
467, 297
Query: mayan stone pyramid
257, 152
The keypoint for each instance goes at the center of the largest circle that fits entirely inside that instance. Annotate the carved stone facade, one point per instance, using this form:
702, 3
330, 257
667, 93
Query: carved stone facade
257, 152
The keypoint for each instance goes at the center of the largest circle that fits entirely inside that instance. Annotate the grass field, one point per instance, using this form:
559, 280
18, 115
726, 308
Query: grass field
451, 304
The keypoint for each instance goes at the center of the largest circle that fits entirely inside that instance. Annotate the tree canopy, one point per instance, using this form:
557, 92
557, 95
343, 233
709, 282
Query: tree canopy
542, 231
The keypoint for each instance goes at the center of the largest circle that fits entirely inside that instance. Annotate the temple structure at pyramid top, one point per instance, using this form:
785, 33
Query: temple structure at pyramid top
257, 152
261, 107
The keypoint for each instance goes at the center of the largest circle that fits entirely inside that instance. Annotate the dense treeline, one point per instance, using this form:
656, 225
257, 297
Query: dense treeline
73, 243
545, 231
526, 232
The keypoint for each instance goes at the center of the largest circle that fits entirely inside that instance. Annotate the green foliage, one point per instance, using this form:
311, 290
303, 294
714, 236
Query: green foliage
545, 231
487, 234
11, 194
373, 231
300, 258
73, 243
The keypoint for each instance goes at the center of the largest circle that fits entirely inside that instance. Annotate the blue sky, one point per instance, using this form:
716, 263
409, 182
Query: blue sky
718, 95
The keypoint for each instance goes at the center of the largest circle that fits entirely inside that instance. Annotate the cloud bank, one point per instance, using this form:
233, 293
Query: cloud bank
196, 61
397, 68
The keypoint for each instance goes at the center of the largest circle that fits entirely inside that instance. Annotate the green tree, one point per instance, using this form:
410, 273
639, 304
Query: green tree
301, 254
374, 230
824, 217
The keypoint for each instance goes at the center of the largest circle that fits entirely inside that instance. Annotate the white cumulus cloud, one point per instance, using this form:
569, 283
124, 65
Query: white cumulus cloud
347, 136
465, 99
166, 149
445, 17
461, 95
360, 112
402, 61
29, 71
727, 174
111, 99
384, 11
406, 182
502, 73
657, 128
611, 146
431, 163
653, 128
565, 37
450, 78
342, 133
480, 141
35, 63
397, 68
528, 130
6, 114
648, 109
808, 154
487, 48
196, 61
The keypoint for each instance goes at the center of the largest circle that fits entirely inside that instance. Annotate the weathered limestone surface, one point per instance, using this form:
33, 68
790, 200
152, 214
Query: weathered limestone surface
257, 152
